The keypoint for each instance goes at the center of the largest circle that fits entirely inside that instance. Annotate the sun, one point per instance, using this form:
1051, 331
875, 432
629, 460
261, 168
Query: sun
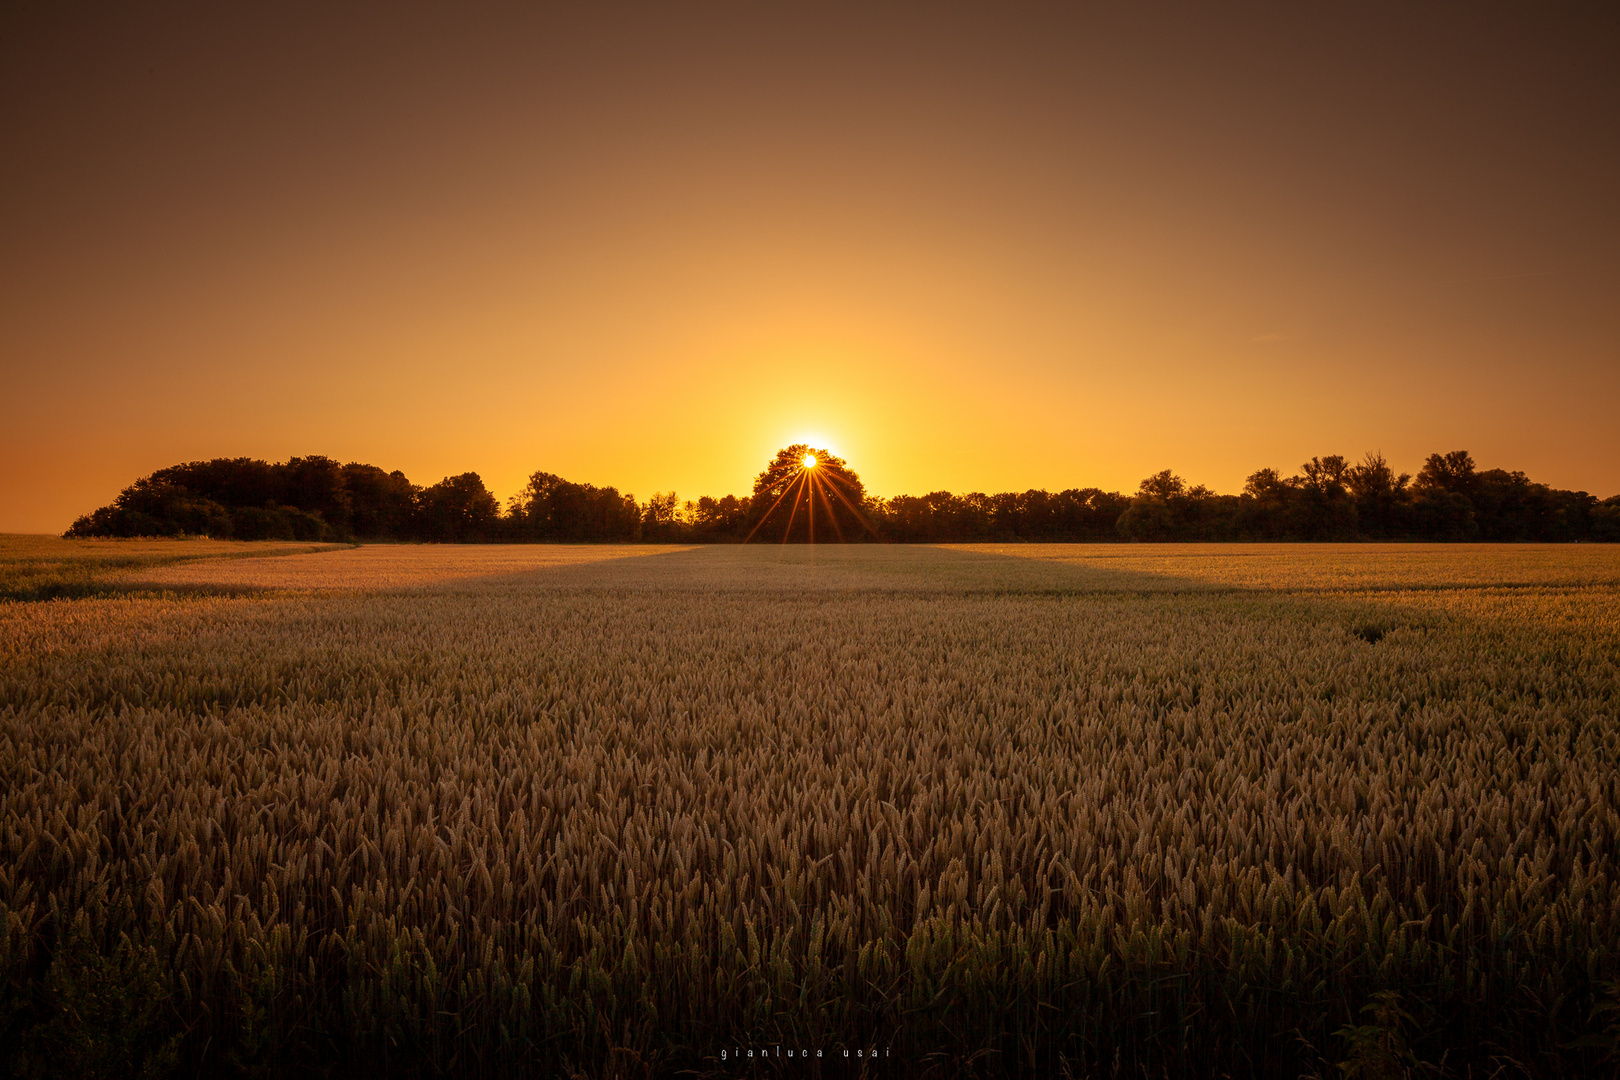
809, 461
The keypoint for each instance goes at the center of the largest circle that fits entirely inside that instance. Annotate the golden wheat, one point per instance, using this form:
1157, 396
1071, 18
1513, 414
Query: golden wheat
42, 567
585, 813
1331, 567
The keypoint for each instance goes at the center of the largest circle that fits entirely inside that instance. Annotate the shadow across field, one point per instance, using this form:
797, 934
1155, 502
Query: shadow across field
1360, 569
1336, 567
35, 568
865, 568
1377, 594
374, 568
1023, 569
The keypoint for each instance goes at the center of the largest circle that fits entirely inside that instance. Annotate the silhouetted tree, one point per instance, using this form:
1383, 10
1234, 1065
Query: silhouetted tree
152, 507
1091, 513
721, 519
1379, 495
550, 508
660, 518
381, 504
1266, 506
316, 484
244, 498
936, 517
1605, 520
231, 482
1438, 514
1161, 508
274, 522
795, 503
1326, 511
1453, 472
457, 509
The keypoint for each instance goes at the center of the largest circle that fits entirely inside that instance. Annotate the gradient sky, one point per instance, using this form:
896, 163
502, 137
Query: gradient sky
979, 247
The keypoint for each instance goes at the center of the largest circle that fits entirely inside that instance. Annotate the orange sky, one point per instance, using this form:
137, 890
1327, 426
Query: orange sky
975, 248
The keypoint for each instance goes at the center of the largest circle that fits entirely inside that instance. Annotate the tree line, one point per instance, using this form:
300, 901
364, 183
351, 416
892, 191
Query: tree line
317, 498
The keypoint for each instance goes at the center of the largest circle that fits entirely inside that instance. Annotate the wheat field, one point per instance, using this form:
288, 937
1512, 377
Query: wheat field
1162, 811
50, 567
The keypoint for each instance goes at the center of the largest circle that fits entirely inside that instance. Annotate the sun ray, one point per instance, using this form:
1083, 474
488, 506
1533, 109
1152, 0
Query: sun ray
831, 514
860, 517
788, 532
767, 516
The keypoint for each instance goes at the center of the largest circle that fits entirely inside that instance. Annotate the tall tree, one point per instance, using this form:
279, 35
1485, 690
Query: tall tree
721, 518
808, 494
1442, 504
1452, 472
1379, 494
1266, 506
1161, 509
316, 484
381, 504
1327, 512
458, 509
660, 519
551, 508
